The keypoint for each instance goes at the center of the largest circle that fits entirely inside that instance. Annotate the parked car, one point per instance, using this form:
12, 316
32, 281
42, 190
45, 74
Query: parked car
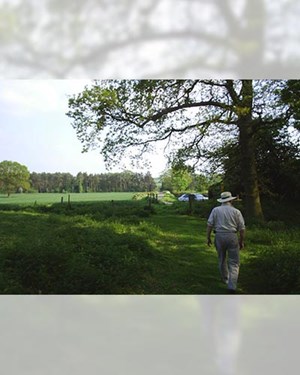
198, 197
201, 197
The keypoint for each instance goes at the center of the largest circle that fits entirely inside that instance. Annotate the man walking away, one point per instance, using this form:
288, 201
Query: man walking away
227, 221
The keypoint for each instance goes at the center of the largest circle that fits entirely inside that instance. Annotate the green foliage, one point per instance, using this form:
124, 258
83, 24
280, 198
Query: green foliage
290, 95
215, 190
273, 264
13, 176
122, 116
281, 211
176, 180
201, 209
140, 196
272, 257
277, 160
181, 179
278, 163
168, 197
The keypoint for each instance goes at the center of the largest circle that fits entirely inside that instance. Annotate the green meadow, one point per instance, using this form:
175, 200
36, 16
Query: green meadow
107, 243
50, 198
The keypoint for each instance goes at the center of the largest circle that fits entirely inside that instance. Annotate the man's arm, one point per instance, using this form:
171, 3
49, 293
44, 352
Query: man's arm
242, 238
241, 229
208, 234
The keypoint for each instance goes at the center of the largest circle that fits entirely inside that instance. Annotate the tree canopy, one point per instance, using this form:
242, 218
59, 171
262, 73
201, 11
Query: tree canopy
176, 180
105, 182
195, 118
13, 176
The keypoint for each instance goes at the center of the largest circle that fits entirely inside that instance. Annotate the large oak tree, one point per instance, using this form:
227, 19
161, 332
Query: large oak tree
194, 116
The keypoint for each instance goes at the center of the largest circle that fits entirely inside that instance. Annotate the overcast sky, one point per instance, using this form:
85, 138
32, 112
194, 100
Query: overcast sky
35, 131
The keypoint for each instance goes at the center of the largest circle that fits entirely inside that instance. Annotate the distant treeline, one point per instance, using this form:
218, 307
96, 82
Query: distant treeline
109, 182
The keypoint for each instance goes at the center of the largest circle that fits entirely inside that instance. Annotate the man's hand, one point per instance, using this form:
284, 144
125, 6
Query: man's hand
241, 239
208, 234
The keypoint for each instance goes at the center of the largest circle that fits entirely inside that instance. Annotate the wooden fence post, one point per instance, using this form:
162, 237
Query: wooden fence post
149, 200
191, 203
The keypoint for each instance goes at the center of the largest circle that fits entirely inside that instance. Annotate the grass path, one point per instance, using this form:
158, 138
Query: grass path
192, 264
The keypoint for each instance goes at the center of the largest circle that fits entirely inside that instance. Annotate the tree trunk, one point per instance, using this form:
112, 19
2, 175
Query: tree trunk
248, 163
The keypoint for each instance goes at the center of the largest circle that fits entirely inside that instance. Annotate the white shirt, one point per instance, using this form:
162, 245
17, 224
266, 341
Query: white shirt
226, 218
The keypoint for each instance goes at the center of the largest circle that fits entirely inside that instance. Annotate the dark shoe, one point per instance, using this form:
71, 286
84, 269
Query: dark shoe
231, 291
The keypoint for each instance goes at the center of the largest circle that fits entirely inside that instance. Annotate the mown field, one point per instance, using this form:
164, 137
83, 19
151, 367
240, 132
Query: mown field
115, 246
49, 198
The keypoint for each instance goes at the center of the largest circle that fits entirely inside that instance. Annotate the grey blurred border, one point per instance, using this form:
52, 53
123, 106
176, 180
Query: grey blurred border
72, 39
170, 335
149, 39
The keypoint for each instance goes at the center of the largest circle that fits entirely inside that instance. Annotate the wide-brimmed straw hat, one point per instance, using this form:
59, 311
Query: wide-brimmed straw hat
226, 196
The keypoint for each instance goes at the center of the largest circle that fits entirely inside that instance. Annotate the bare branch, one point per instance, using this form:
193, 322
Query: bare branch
166, 111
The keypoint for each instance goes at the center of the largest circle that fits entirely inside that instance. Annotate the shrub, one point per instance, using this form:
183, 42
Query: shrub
169, 197
140, 196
